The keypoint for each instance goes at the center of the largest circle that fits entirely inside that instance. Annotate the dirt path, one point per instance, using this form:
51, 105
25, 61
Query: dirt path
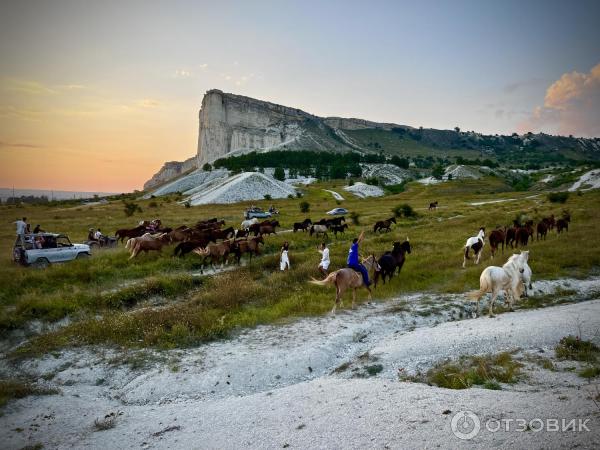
300, 384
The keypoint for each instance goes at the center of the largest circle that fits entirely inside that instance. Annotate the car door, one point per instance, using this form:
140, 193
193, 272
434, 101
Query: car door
65, 250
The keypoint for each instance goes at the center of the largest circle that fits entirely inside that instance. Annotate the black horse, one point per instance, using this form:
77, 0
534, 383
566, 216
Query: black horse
391, 261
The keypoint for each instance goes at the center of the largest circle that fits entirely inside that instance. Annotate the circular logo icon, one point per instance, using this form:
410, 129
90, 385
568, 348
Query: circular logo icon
465, 425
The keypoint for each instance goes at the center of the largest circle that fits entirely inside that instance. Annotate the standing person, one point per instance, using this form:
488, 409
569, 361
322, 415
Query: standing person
353, 260
324, 264
284, 259
21, 230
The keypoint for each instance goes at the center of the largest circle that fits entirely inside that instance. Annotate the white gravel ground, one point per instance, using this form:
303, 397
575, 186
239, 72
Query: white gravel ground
275, 386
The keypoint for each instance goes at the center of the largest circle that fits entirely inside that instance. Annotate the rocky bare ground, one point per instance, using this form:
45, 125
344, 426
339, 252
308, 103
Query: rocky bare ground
308, 383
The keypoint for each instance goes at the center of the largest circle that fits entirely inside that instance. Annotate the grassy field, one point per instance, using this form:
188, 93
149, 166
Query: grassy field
161, 301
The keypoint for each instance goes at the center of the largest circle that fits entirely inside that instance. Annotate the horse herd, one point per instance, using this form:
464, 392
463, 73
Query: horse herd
210, 240
516, 236
207, 238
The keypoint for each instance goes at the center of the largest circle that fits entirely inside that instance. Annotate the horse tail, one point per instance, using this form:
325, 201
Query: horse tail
467, 252
178, 250
484, 286
331, 279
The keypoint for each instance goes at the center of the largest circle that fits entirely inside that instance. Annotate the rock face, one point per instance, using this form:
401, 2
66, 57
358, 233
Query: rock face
233, 124
170, 170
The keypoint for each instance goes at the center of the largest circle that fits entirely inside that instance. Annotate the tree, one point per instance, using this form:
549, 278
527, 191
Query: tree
400, 162
457, 129
337, 172
437, 172
279, 174
207, 167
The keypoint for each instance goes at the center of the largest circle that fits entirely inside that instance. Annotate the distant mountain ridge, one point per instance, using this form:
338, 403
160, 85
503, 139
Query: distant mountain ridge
231, 124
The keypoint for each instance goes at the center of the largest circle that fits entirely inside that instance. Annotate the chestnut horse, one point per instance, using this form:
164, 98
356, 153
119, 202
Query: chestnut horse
344, 279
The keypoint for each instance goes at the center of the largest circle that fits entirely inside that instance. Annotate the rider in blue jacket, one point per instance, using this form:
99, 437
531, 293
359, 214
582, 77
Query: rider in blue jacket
354, 262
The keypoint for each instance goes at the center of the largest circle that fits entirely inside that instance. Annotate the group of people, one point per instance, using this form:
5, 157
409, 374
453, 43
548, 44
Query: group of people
24, 227
353, 261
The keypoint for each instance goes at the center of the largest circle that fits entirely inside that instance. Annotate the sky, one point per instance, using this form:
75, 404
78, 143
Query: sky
96, 96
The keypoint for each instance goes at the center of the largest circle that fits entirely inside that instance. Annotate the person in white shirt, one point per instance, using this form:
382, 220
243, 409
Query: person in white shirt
284, 261
21, 229
324, 264
100, 237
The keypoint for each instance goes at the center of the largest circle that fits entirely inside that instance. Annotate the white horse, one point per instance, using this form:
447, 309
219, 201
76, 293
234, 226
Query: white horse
476, 243
508, 278
248, 223
526, 275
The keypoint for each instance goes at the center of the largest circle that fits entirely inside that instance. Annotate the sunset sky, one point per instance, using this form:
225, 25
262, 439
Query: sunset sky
95, 96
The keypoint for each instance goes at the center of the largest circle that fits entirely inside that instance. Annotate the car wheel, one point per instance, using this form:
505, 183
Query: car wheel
40, 263
82, 255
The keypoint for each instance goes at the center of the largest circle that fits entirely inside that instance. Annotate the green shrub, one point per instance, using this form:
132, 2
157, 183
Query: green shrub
268, 197
576, 349
374, 181
558, 197
131, 208
395, 188
404, 210
486, 371
304, 207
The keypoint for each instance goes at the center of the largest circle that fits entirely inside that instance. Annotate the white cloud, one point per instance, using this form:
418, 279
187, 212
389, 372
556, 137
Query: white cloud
571, 106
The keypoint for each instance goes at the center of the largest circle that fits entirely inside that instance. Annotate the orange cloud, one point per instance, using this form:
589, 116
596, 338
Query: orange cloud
571, 106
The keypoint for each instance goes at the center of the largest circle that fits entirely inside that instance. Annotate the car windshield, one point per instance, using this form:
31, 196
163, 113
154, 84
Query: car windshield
63, 241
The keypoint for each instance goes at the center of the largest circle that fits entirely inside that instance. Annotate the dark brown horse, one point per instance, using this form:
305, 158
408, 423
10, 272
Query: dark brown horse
391, 261
497, 237
384, 224
338, 229
549, 221
542, 230
304, 225
433, 205
563, 222
130, 232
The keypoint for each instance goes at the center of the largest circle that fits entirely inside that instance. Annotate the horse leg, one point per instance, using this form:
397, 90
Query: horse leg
465, 258
492, 300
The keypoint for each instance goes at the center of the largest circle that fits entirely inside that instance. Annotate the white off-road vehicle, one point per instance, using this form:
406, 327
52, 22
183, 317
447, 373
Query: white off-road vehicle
42, 249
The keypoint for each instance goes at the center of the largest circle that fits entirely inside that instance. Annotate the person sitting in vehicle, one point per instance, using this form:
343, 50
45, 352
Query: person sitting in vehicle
37, 229
39, 242
91, 235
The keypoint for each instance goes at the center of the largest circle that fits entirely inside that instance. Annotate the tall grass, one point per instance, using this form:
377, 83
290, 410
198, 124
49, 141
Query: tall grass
105, 295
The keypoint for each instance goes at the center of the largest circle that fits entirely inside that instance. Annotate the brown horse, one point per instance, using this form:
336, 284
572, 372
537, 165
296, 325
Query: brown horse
542, 230
344, 279
146, 245
216, 252
433, 205
496, 238
130, 232
248, 246
549, 221
384, 224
